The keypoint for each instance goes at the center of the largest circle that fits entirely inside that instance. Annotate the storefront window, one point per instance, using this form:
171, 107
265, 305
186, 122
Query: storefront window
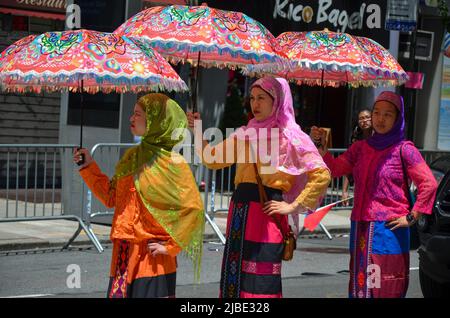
99, 110
331, 114
237, 107
19, 23
12, 23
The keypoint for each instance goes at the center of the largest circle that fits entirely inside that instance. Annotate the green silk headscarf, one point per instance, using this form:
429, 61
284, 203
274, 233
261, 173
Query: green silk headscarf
163, 117
163, 179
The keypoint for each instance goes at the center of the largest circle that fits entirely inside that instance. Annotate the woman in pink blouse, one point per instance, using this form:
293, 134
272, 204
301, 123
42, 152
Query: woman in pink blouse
381, 217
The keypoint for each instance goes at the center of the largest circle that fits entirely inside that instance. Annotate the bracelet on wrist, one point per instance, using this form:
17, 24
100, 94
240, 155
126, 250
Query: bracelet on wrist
410, 218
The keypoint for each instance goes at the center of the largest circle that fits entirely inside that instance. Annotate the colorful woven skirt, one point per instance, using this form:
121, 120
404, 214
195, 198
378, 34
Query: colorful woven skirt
379, 261
137, 274
251, 265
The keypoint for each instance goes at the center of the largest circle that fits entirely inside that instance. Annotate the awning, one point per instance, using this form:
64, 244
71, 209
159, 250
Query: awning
29, 13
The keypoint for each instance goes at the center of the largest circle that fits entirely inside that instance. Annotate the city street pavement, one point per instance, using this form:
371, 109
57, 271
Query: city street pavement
319, 270
55, 233
33, 265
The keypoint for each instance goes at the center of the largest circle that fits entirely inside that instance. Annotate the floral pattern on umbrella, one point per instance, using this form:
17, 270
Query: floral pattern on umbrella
224, 38
105, 62
335, 59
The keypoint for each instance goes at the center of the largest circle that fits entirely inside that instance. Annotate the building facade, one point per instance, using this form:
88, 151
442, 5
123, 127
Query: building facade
361, 18
22, 116
29, 118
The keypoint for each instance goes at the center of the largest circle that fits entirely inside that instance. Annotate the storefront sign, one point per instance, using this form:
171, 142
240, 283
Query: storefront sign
58, 6
415, 80
357, 17
342, 20
446, 45
401, 15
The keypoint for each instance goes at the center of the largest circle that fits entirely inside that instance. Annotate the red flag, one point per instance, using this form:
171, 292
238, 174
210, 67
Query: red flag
313, 219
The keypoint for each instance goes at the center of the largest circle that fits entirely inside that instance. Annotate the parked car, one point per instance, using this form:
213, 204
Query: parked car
434, 236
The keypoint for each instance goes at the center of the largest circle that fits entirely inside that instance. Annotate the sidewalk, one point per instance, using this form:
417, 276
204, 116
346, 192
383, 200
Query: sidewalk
55, 233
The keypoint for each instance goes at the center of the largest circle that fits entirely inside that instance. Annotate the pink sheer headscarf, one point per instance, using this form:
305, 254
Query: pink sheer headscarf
297, 153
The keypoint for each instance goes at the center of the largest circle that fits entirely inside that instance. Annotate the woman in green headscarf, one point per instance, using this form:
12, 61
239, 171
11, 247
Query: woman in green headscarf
158, 209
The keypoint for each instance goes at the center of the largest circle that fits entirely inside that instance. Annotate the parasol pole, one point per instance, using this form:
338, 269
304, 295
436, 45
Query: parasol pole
319, 110
194, 105
81, 161
321, 99
81, 116
321, 91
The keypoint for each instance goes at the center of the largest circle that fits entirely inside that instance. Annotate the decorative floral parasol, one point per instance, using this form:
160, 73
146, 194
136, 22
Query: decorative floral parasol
84, 61
105, 62
223, 38
334, 59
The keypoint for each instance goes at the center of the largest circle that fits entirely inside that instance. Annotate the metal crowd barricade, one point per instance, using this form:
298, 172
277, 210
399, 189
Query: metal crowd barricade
206, 179
219, 189
217, 186
224, 188
37, 182
108, 154
334, 192
31, 185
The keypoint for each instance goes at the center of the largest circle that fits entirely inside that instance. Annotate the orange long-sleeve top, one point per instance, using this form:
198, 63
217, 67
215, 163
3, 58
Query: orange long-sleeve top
132, 221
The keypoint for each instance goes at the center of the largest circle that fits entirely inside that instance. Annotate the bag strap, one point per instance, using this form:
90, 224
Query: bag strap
263, 198
405, 177
262, 192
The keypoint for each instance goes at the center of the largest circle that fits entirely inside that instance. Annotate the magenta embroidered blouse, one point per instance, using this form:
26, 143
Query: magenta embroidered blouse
379, 186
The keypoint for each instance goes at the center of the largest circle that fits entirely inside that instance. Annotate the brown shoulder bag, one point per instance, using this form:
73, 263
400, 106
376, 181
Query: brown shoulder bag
289, 240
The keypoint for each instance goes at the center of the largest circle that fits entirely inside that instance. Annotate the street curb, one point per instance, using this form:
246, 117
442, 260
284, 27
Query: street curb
338, 230
46, 244
343, 230
17, 246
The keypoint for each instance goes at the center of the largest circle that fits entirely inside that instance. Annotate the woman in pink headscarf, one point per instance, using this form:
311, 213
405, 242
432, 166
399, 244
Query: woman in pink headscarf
294, 178
381, 216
